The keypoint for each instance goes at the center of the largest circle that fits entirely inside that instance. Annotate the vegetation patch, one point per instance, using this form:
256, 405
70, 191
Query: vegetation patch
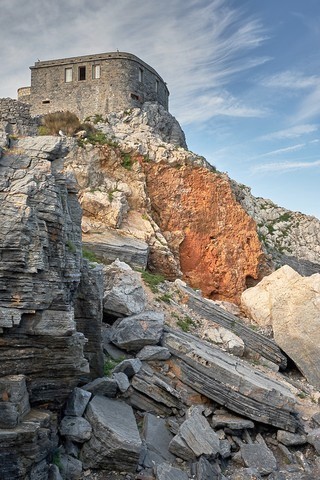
166, 297
53, 123
153, 280
71, 246
186, 323
110, 364
126, 161
91, 256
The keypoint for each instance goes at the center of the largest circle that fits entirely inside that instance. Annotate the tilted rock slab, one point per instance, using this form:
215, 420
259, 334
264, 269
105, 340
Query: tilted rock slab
291, 304
231, 382
115, 441
252, 340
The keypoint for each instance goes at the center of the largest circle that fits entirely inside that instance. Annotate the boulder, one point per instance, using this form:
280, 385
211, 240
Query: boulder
123, 291
136, 331
204, 470
76, 429
122, 381
291, 304
165, 471
14, 400
130, 367
77, 402
314, 439
258, 456
153, 352
231, 421
157, 436
291, 439
71, 468
102, 386
115, 442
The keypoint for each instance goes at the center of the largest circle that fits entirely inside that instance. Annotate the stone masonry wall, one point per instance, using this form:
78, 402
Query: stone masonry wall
125, 82
15, 118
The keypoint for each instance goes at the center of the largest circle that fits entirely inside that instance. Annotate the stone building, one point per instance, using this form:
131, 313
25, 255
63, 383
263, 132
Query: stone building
93, 84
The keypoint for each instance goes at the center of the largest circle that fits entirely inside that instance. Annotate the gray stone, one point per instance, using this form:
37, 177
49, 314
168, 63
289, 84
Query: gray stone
314, 439
260, 457
115, 441
14, 400
71, 468
123, 291
180, 449
130, 367
225, 448
108, 347
54, 473
231, 381
291, 439
245, 474
204, 470
150, 352
157, 436
136, 331
198, 434
231, 421
77, 402
102, 386
76, 429
165, 471
122, 381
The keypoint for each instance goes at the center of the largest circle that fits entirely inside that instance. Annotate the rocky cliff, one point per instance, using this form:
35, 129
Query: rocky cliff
88, 353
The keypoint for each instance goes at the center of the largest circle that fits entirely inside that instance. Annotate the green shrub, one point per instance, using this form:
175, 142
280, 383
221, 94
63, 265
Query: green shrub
91, 256
166, 297
153, 280
126, 161
186, 323
52, 123
109, 365
71, 246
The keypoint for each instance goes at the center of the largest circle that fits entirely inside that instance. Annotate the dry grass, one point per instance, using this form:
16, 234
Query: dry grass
52, 123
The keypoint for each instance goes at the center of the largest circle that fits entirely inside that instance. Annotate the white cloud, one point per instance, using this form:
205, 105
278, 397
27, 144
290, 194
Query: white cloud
291, 80
290, 149
282, 167
292, 132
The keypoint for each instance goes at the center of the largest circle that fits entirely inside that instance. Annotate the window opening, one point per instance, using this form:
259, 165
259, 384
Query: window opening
68, 74
140, 75
157, 86
45, 101
82, 73
134, 97
96, 71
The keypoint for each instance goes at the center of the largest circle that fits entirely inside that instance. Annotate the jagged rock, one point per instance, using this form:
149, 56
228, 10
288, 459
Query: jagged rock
224, 338
198, 435
130, 367
165, 471
102, 386
54, 473
180, 449
246, 474
77, 402
291, 303
88, 316
204, 470
122, 381
115, 441
254, 342
230, 421
151, 384
109, 348
14, 400
314, 439
260, 457
123, 290
157, 436
110, 245
150, 353
291, 439
107, 207
71, 468
24, 447
136, 331
231, 381
76, 429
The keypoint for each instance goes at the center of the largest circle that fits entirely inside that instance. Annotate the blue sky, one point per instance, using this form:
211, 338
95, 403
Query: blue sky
244, 75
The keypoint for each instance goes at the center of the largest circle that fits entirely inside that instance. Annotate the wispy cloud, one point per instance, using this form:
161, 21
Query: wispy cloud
198, 47
292, 132
291, 79
282, 167
290, 149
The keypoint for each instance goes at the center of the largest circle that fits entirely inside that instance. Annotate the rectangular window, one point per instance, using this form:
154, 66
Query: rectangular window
82, 73
68, 74
96, 71
157, 86
140, 75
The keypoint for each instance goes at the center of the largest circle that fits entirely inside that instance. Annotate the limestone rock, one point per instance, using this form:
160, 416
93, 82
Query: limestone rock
151, 353
122, 381
314, 439
291, 439
14, 400
136, 331
102, 386
290, 303
231, 382
260, 457
77, 402
71, 468
115, 441
76, 429
165, 471
123, 291
130, 366
231, 421
226, 339
109, 208
205, 470
157, 436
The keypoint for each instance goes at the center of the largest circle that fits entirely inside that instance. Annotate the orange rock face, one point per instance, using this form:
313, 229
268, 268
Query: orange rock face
213, 237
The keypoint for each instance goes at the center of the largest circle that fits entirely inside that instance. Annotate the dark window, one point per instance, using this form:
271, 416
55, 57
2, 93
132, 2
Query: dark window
45, 101
82, 73
134, 97
157, 86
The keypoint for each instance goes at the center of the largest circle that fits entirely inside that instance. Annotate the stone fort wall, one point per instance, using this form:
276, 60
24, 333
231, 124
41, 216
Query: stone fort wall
93, 84
15, 118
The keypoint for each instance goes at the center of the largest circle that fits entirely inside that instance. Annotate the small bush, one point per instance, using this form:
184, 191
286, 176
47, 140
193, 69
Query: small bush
152, 280
166, 297
91, 256
71, 246
186, 323
52, 123
109, 365
97, 138
126, 161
